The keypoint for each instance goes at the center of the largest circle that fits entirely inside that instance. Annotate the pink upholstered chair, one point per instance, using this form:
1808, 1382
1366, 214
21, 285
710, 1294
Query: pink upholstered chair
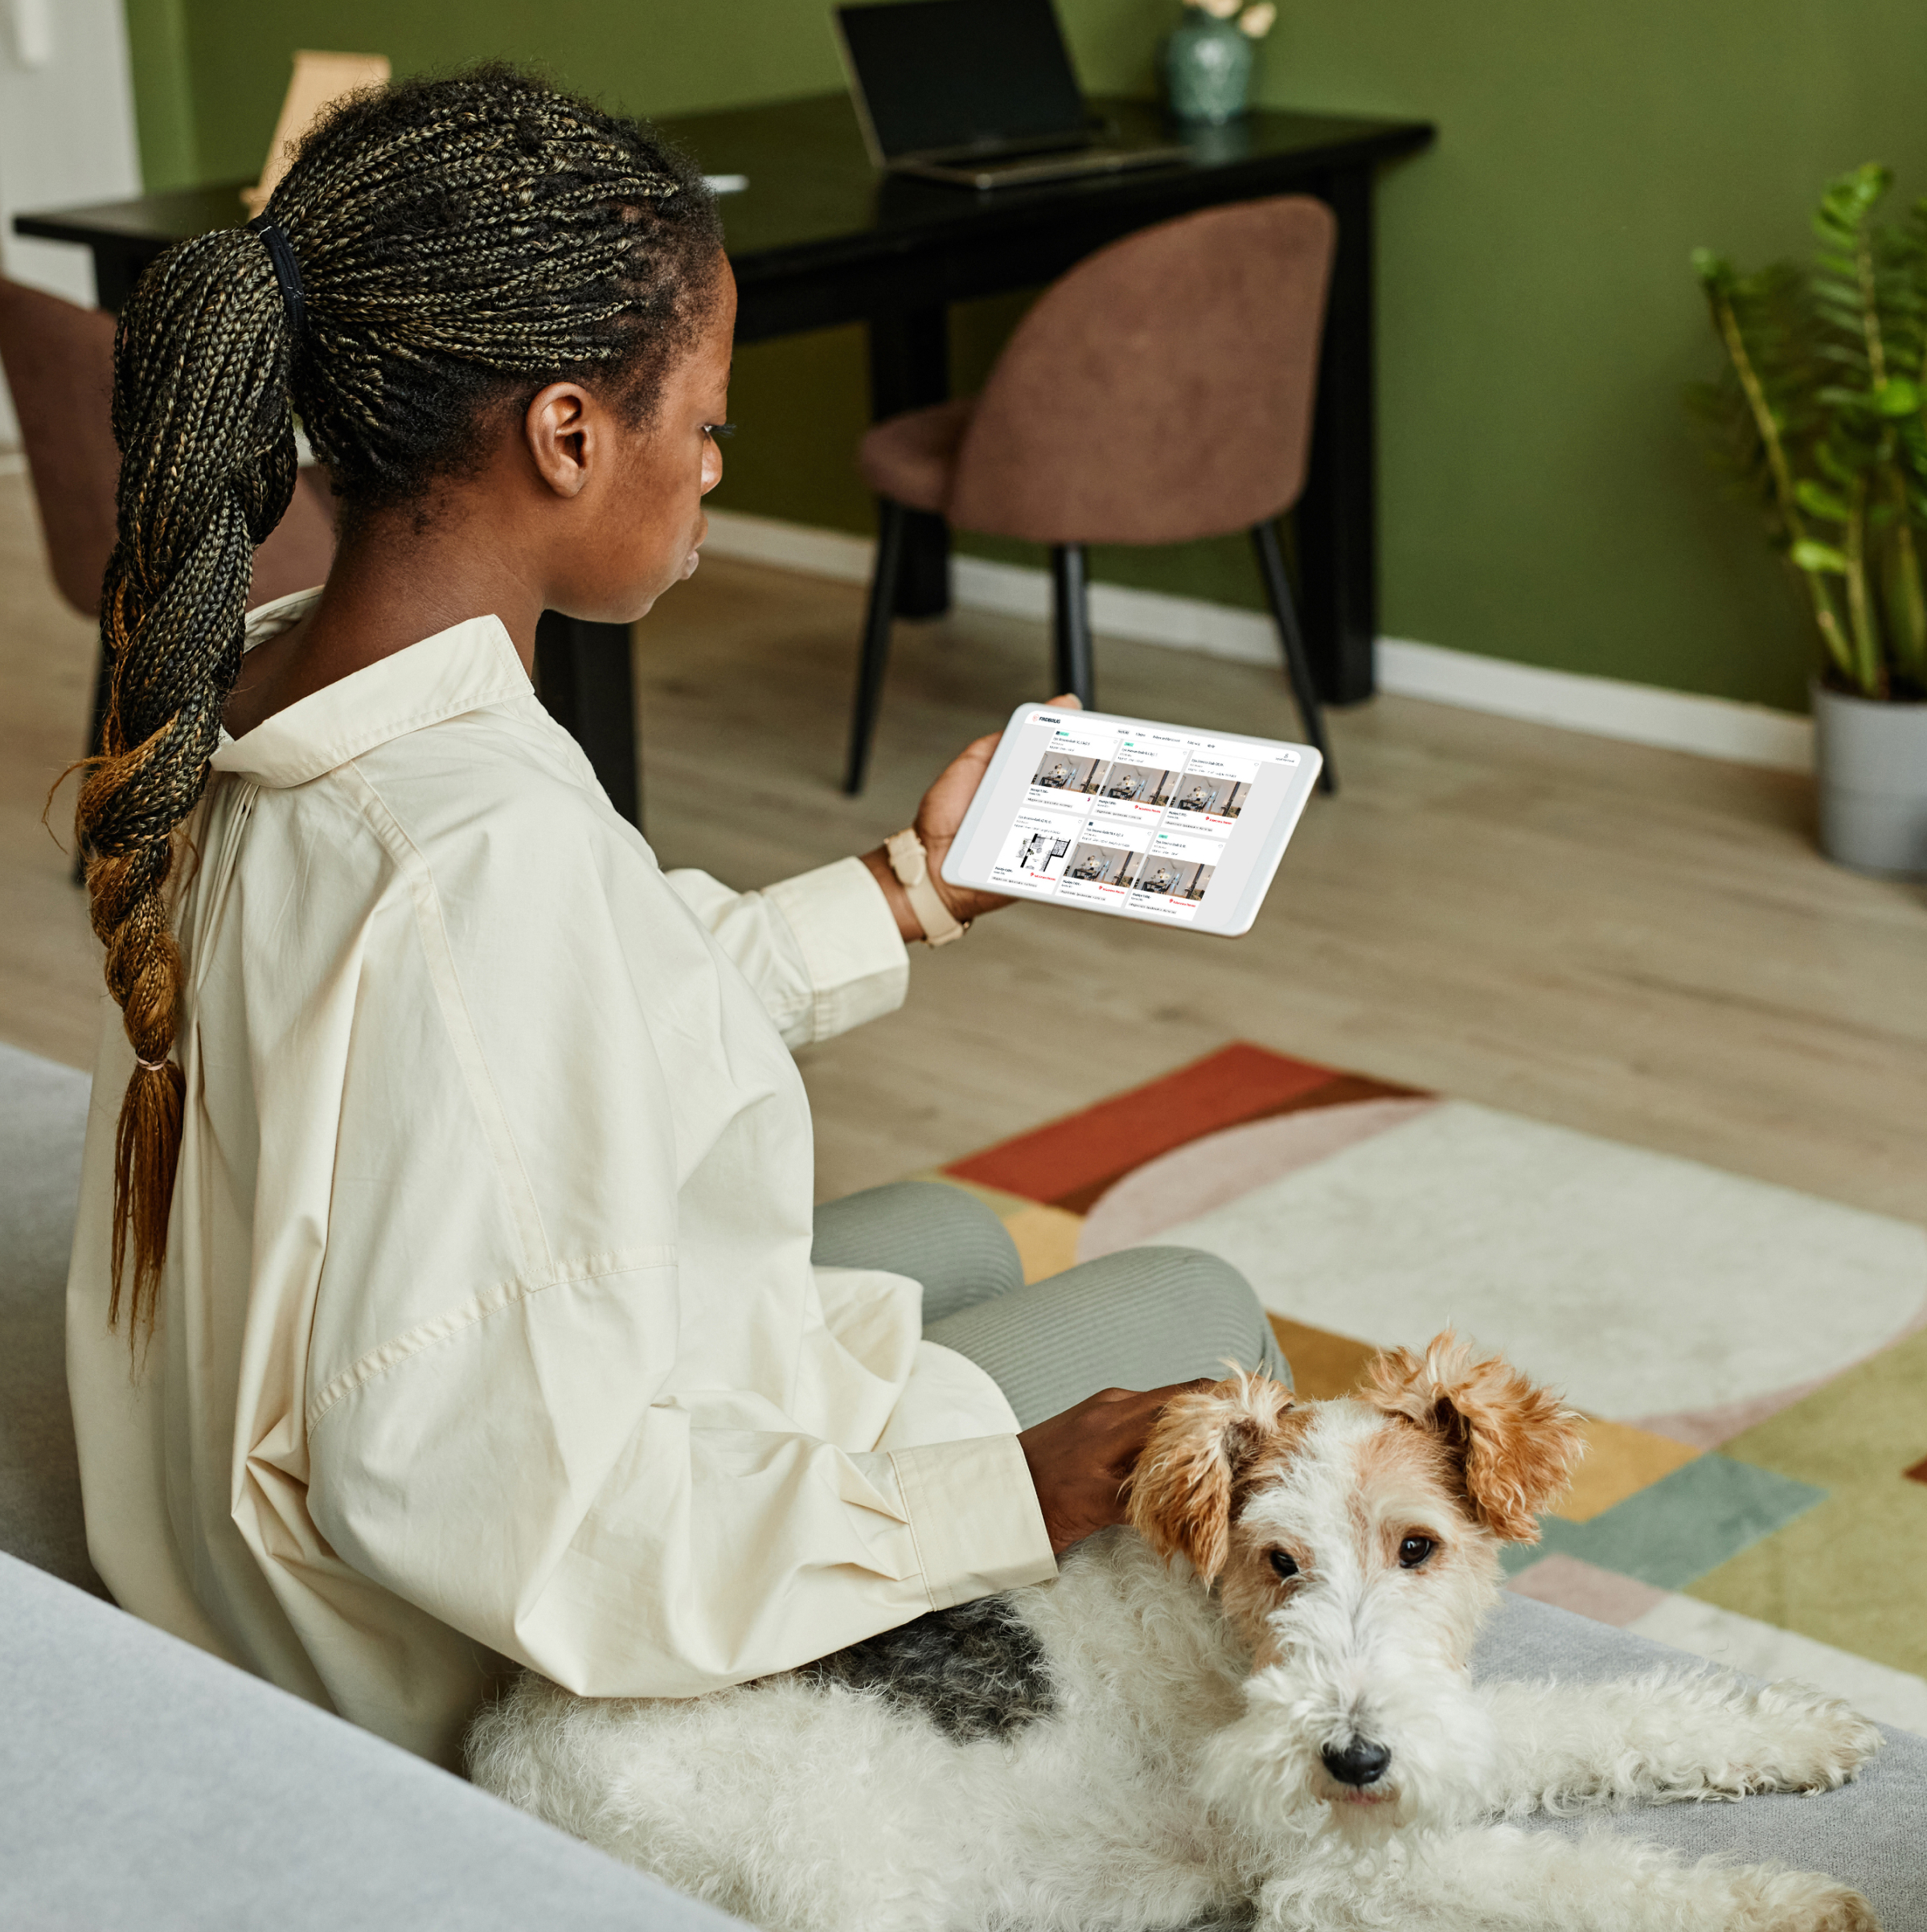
1162, 391
58, 360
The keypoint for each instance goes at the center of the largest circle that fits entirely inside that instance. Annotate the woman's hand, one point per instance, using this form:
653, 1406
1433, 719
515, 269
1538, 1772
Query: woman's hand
1080, 1460
937, 820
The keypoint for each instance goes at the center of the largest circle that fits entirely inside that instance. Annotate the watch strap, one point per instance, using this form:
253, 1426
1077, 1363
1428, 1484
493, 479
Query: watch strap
911, 863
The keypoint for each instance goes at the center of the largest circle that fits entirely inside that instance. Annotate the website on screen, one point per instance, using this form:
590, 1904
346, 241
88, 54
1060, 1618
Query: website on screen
1125, 818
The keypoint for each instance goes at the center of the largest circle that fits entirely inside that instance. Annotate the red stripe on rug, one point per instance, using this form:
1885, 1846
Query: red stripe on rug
1073, 1161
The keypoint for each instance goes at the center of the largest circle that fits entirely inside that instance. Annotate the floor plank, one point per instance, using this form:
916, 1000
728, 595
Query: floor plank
50, 965
1635, 942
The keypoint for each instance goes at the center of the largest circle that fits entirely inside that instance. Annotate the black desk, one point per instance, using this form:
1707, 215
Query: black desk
819, 239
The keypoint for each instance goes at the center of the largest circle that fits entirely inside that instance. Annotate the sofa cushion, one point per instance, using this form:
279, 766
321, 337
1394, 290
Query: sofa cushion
42, 1122
145, 1785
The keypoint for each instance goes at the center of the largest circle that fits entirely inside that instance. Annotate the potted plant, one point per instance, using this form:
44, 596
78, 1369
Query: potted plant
1821, 414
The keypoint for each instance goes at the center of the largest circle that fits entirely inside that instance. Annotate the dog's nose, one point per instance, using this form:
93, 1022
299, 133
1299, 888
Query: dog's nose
1360, 1762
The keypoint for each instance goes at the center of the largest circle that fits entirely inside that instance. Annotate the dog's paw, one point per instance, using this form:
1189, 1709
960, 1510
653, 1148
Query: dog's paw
1842, 1909
1808, 1742
1805, 1902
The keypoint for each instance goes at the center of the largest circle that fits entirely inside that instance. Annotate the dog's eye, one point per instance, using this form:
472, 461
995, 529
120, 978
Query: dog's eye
1285, 1565
1414, 1550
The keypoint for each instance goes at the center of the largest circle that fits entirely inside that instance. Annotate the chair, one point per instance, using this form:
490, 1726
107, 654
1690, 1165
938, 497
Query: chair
59, 359
1162, 391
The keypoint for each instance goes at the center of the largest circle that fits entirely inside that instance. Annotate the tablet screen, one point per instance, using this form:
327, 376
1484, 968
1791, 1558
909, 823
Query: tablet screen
1112, 815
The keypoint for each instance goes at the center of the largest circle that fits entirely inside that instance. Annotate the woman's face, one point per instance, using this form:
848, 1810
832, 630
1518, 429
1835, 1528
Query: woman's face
644, 522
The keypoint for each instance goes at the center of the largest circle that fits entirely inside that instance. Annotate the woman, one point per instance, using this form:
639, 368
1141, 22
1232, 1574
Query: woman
449, 1175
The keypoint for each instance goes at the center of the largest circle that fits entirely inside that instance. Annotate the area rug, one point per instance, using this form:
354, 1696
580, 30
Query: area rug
1752, 1360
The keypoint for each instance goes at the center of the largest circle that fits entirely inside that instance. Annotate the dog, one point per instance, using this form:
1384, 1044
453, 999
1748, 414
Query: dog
1251, 1708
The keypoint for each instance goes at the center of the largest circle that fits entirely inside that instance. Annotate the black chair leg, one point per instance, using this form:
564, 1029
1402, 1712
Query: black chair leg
1071, 624
585, 677
1298, 666
891, 519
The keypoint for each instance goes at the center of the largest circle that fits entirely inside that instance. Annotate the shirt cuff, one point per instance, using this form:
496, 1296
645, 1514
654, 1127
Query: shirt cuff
843, 924
974, 1513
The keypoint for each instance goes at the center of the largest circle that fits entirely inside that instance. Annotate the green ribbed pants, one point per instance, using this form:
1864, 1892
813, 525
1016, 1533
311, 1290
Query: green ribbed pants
1137, 1319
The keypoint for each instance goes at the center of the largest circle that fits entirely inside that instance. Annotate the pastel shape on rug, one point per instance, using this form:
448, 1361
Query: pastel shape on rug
1674, 1532
1584, 1588
1619, 1462
1636, 1282
1206, 1173
1744, 1643
1046, 1239
1322, 1366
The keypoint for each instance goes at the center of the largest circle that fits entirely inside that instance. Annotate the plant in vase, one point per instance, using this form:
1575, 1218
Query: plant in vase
1208, 59
1820, 414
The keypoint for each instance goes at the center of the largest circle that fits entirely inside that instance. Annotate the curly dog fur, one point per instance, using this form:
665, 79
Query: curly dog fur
1251, 1709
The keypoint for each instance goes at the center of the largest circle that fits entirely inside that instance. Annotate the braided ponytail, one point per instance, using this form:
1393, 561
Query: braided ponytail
201, 415
458, 244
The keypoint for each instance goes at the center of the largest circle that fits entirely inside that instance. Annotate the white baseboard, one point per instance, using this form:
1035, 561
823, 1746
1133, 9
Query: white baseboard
1643, 713
1608, 707
765, 539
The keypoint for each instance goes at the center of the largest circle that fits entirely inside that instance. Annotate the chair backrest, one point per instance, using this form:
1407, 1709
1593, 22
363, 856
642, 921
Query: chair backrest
59, 359
1162, 390
59, 367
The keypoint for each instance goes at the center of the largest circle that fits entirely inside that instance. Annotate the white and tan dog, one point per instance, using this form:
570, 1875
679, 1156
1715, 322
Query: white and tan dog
1279, 1729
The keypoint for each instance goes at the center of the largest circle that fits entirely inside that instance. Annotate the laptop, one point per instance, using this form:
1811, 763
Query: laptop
977, 93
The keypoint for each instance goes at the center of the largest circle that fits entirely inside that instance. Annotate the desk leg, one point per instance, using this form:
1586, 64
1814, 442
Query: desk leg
116, 271
583, 675
1337, 516
909, 369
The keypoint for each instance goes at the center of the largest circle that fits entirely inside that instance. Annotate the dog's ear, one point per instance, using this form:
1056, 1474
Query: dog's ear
1202, 1441
1513, 1443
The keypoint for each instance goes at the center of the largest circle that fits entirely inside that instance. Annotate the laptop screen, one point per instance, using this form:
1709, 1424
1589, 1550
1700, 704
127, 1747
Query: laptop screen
937, 74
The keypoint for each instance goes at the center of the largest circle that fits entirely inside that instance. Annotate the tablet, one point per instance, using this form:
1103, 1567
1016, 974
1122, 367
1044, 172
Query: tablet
1160, 822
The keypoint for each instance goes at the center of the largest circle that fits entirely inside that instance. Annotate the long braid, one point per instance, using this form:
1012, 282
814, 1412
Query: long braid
201, 415
459, 243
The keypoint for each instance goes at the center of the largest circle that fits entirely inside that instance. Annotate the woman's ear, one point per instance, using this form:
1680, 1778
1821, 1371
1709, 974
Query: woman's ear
559, 427
1202, 1443
1514, 1444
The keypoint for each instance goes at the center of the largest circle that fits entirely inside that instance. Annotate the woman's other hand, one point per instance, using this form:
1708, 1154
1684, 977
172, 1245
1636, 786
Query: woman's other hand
1080, 1460
937, 820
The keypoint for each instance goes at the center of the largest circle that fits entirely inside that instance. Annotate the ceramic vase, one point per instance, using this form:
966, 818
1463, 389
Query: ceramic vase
1870, 769
1207, 66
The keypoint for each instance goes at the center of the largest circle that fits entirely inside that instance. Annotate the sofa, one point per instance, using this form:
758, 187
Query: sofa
144, 1784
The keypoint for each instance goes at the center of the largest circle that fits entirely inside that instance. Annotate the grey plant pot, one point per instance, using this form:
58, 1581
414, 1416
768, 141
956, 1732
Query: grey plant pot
1870, 765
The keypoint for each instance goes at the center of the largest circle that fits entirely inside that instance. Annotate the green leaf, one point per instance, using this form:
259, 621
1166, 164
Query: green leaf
1896, 397
1714, 270
1830, 463
1817, 500
1810, 555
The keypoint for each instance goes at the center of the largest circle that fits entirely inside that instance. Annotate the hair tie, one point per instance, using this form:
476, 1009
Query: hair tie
152, 1066
287, 271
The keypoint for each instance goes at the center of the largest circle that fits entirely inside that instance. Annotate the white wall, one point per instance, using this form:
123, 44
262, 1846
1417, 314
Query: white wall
67, 135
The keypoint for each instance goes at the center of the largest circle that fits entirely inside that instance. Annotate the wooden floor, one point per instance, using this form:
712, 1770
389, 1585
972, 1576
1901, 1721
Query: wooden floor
1637, 943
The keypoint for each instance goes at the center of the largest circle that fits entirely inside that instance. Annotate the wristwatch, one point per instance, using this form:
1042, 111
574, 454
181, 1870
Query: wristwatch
911, 863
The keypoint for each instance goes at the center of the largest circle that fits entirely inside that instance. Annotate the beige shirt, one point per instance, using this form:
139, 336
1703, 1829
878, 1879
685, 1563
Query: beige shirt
488, 1329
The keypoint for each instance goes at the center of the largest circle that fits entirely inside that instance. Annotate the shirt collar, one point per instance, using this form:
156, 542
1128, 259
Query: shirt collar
461, 669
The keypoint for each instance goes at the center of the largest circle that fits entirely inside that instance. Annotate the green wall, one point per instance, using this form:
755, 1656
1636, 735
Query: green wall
1541, 498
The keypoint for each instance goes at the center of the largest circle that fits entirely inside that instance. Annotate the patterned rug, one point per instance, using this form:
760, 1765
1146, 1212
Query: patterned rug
1752, 1361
